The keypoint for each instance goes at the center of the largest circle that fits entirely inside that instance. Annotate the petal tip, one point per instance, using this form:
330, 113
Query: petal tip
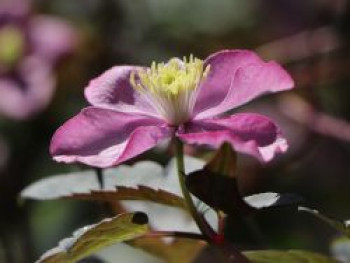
268, 153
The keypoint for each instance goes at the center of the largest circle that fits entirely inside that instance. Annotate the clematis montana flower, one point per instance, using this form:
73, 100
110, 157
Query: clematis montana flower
134, 108
30, 46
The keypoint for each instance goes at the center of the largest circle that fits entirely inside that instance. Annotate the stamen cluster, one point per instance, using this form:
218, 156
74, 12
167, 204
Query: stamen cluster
171, 87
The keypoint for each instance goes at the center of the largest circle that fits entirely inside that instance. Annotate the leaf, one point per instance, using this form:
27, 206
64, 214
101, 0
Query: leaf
180, 250
144, 193
272, 200
223, 253
89, 239
144, 179
216, 254
224, 161
222, 194
64, 185
122, 252
217, 191
289, 256
163, 218
216, 185
122, 180
340, 248
340, 226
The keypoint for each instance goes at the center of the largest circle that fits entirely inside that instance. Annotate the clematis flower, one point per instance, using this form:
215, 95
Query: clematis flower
30, 46
134, 108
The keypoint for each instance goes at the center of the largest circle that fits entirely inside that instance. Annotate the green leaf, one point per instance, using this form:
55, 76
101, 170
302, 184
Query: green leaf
225, 253
179, 250
340, 226
90, 239
122, 252
290, 256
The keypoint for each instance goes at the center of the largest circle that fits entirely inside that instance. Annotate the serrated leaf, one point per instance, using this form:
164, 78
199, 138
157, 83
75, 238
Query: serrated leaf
290, 256
143, 193
145, 180
340, 226
144, 174
61, 186
90, 239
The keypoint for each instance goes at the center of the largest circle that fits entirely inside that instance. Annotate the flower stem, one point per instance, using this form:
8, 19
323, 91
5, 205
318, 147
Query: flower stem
200, 221
230, 254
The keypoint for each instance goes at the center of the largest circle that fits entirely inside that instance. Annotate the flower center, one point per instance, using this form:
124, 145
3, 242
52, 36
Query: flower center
171, 87
11, 45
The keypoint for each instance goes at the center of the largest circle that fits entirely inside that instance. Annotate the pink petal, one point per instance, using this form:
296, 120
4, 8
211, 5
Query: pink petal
30, 92
237, 77
112, 90
252, 134
14, 8
51, 37
223, 66
103, 138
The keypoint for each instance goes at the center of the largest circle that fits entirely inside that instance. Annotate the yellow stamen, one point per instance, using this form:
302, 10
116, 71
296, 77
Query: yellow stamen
170, 87
11, 45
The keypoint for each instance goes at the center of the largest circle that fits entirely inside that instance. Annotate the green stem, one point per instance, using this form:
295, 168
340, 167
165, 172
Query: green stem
201, 223
232, 255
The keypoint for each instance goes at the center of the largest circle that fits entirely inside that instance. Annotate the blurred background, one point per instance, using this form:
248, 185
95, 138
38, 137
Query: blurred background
49, 50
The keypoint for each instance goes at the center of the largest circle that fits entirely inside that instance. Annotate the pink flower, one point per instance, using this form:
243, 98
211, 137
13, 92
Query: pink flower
134, 108
30, 47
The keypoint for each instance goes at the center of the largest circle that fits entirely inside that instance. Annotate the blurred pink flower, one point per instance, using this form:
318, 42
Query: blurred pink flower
30, 45
134, 108
10, 9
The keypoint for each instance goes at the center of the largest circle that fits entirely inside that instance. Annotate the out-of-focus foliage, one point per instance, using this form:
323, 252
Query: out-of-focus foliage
293, 256
340, 249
